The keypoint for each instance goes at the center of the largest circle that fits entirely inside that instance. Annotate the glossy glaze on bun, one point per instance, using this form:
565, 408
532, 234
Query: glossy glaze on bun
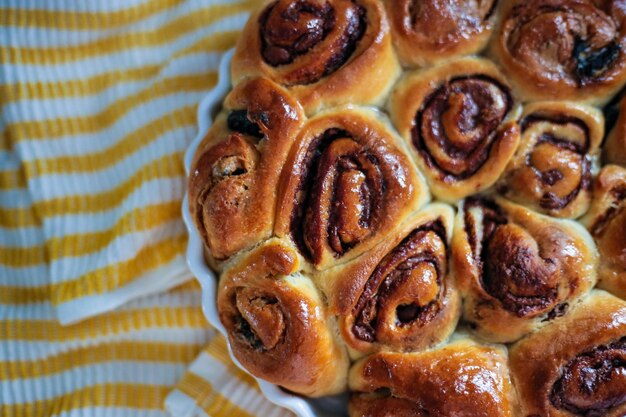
460, 119
319, 50
576, 366
416, 201
563, 49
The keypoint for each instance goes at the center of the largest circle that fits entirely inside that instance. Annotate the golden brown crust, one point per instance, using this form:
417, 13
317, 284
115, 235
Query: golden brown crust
606, 221
350, 183
427, 32
327, 52
518, 269
563, 49
235, 172
460, 119
461, 379
399, 295
277, 325
551, 171
577, 365
615, 144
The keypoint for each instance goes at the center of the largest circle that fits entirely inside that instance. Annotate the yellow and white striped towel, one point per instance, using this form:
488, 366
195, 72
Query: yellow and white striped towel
97, 105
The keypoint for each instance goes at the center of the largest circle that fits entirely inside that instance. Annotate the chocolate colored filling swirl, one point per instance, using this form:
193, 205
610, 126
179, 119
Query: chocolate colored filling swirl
222, 178
458, 124
327, 31
261, 321
341, 197
609, 230
520, 270
558, 168
594, 382
576, 41
406, 287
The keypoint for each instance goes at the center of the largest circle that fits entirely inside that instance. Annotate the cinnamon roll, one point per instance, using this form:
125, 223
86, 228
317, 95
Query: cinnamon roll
516, 269
615, 145
606, 221
563, 49
399, 296
463, 378
327, 52
577, 365
461, 120
277, 324
431, 31
235, 172
350, 182
551, 171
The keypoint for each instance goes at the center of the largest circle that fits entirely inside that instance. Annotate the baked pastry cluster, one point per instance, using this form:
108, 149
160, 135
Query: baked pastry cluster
421, 202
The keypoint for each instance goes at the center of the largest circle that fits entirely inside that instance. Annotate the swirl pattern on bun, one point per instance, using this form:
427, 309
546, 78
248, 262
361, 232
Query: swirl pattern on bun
350, 183
517, 269
320, 50
236, 169
399, 296
563, 49
460, 119
277, 324
577, 365
552, 169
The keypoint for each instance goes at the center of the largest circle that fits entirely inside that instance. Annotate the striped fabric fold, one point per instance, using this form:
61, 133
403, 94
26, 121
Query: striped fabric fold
97, 105
209, 381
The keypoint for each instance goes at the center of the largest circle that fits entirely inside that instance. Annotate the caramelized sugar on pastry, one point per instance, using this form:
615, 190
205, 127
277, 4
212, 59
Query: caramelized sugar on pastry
606, 221
563, 49
236, 169
461, 120
462, 378
615, 145
551, 171
577, 365
399, 296
277, 323
327, 52
350, 183
518, 269
430, 31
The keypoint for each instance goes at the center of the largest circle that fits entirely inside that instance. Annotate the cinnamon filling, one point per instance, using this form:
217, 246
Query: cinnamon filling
594, 382
578, 42
515, 268
459, 123
261, 322
561, 166
290, 29
407, 284
340, 197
